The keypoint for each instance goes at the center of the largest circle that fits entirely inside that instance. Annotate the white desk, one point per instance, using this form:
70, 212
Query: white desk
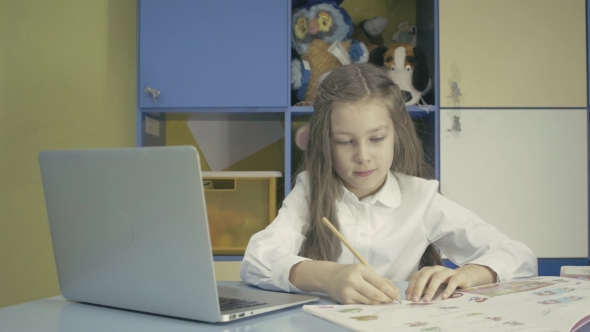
58, 314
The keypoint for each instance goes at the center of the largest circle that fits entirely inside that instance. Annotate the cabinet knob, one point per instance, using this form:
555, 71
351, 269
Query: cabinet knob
456, 92
153, 92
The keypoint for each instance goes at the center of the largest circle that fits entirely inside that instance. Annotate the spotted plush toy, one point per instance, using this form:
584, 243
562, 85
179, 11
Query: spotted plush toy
407, 66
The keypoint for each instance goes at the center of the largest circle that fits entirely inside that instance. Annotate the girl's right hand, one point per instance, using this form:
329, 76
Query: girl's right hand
356, 283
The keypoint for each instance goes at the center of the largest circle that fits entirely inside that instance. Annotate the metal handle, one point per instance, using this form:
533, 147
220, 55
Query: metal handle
456, 92
153, 92
456, 127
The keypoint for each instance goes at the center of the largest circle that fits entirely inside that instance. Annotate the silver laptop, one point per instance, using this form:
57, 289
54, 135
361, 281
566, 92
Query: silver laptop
129, 230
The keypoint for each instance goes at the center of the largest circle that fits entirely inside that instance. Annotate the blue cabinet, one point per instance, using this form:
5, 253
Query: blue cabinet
222, 53
234, 56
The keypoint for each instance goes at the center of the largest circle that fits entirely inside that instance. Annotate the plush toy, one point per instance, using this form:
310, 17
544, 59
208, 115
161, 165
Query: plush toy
302, 136
406, 33
321, 37
369, 32
408, 68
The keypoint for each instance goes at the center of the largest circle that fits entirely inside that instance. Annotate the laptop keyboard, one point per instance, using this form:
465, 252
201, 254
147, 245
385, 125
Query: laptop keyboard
226, 303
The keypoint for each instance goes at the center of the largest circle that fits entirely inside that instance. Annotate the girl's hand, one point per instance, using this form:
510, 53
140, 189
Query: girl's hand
352, 284
430, 278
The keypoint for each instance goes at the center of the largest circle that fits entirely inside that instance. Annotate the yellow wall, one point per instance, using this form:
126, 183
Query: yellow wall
67, 80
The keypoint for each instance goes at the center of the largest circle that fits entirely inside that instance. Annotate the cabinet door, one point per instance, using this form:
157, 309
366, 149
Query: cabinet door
506, 53
523, 171
222, 53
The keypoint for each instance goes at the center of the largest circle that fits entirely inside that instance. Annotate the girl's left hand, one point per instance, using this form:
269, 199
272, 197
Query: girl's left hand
427, 280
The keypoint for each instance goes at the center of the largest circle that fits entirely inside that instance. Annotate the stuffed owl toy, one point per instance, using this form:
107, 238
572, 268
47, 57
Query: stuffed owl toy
321, 37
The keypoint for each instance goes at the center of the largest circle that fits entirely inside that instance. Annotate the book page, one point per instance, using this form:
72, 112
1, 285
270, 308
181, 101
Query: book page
411, 316
531, 304
544, 301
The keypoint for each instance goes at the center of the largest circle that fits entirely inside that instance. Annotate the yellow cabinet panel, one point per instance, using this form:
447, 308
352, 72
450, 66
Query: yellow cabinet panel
513, 53
227, 271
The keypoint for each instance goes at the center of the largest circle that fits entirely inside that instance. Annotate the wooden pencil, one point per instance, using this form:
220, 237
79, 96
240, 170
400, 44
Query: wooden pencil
337, 233
354, 252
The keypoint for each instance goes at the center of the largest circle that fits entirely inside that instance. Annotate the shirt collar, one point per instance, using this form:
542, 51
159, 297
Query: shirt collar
389, 195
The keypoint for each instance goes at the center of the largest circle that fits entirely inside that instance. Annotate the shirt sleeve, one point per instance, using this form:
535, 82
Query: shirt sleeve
273, 251
466, 239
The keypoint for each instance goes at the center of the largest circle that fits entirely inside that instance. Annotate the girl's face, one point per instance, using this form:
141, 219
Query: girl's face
362, 139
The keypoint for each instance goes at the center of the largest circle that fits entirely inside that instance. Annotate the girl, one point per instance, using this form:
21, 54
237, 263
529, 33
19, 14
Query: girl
365, 171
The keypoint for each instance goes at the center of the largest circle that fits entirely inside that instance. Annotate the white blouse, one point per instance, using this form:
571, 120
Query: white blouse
390, 230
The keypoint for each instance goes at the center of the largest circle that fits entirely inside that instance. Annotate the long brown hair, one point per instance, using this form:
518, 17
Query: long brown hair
349, 84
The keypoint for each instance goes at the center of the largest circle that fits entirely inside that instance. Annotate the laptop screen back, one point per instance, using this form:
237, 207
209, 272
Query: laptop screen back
129, 229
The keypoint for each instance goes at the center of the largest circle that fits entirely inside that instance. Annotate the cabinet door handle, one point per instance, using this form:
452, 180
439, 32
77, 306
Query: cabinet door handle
456, 92
153, 92
456, 127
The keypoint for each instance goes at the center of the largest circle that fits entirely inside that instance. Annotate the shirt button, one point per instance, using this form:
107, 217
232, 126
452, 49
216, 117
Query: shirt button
363, 234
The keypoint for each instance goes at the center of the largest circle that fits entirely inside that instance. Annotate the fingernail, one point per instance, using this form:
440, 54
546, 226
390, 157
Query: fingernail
444, 296
427, 297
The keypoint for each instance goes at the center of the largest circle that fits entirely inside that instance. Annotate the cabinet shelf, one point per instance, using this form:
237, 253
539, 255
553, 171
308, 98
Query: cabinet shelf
414, 110
218, 110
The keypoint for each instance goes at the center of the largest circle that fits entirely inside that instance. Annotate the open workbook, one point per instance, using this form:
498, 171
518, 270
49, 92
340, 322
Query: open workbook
532, 304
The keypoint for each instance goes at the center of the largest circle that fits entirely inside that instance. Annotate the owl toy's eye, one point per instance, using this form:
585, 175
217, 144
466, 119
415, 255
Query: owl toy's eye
408, 68
301, 28
325, 21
